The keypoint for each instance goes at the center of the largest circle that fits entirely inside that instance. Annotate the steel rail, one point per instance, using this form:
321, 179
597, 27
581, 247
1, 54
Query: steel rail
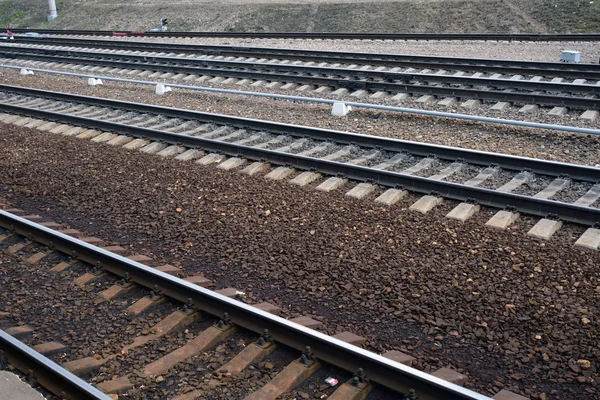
530, 205
333, 351
352, 84
49, 374
579, 70
529, 37
481, 158
342, 73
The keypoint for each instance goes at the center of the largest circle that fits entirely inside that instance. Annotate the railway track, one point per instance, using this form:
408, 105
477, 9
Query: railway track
553, 190
525, 37
118, 285
404, 61
48, 373
575, 95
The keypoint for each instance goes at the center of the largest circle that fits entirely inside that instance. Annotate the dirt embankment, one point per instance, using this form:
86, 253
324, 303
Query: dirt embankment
558, 16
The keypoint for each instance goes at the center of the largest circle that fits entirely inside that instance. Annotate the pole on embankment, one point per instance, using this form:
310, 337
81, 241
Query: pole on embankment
53, 14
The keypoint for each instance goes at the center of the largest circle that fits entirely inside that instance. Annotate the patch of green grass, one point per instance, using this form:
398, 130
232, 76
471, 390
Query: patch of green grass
15, 17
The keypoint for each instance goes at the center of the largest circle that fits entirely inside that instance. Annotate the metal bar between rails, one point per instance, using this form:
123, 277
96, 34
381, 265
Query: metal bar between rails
336, 352
467, 117
49, 374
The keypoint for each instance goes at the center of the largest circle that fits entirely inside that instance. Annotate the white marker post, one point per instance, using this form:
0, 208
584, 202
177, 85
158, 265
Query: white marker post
53, 14
340, 109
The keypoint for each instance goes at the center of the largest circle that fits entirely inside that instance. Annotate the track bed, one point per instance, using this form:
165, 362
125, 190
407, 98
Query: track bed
328, 236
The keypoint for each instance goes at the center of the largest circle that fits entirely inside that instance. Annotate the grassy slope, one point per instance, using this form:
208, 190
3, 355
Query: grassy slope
453, 16
23, 13
565, 16
406, 16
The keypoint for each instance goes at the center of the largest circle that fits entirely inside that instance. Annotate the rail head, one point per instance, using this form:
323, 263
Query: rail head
49, 374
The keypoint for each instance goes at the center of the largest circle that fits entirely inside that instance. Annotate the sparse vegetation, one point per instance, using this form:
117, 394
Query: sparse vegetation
568, 16
16, 17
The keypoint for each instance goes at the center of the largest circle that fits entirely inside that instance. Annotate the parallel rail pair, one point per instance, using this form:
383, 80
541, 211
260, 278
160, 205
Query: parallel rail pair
521, 37
456, 191
547, 69
379, 369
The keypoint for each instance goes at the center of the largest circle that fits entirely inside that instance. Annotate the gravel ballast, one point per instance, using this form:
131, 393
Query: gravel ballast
551, 145
524, 51
73, 318
506, 310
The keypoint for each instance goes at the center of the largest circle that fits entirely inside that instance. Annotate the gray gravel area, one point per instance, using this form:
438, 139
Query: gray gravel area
409, 161
464, 174
383, 156
536, 185
526, 51
552, 145
501, 179
432, 169
573, 192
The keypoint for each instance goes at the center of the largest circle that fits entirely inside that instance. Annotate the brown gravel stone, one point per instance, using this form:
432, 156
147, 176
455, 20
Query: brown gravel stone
420, 284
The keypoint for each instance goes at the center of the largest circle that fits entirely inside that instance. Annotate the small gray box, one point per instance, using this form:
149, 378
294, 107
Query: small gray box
570, 56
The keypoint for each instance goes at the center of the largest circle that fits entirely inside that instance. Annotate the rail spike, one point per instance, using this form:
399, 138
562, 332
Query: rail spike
307, 358
411, 395
360, 378
96, 269
125, 280
553, 217
264, 339
188, 307
224, 322
155, 292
